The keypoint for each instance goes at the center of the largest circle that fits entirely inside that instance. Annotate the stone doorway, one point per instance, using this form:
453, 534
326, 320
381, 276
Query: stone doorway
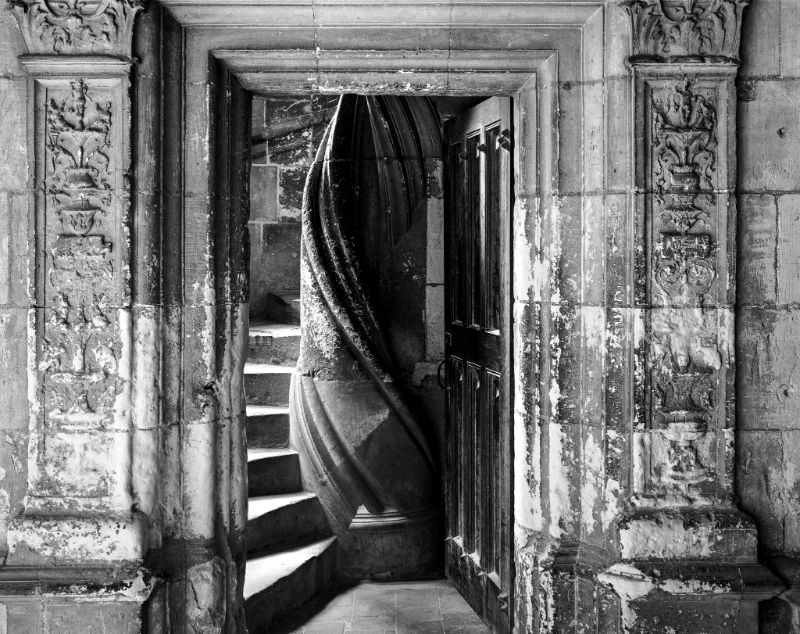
526, 76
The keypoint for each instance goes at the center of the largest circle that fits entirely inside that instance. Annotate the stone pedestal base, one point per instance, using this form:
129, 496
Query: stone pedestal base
690, 570
390, 546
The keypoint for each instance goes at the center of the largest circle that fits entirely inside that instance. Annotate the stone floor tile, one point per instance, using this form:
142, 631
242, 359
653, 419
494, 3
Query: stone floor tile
374, 607
395, 608
454, 619
422, 627
413, 614
373, 622
325, 628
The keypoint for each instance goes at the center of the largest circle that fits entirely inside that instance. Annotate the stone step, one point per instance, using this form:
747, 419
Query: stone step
276, 584
281, 307
279, 521
274, 343
273, 472
267, 427
267, 383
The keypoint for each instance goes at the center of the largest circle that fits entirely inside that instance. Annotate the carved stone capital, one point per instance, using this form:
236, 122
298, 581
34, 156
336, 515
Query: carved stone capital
672, 30
70, 27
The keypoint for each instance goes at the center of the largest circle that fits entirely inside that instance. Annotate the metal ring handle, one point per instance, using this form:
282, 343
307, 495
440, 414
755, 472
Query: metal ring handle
442, 382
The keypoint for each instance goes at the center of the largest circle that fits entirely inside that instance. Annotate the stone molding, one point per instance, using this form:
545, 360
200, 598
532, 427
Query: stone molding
77, 27
673, 29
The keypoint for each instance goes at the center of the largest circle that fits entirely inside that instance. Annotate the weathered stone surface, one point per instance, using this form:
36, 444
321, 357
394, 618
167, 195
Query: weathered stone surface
121, 618
13, 137
769, 387
761, 26
757, 274
769, 486
264, 193
13, 366
788, 249
769, 136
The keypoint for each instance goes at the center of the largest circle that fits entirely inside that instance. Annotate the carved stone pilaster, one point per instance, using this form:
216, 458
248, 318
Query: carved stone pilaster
683, 436
682, 526
77, 27
79, 506
684, 59
82, 320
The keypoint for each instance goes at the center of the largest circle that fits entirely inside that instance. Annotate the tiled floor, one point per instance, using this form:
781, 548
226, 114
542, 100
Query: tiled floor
425, 607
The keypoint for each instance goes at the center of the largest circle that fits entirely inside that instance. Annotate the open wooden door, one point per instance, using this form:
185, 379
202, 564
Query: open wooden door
479, 556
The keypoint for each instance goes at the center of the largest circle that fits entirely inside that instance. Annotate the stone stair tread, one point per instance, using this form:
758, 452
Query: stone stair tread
262, 505
289, 297
263, 572
266, 410
271, 329
267, 368
269, 452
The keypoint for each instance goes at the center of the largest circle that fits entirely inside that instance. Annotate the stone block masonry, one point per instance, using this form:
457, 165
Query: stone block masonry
287, 131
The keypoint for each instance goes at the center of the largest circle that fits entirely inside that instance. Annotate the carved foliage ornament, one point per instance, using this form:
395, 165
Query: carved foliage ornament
80, 348
77, 26
667, 29
79, 150
684, 164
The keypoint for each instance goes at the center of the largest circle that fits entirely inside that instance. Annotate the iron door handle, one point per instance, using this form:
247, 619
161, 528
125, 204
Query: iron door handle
442, 382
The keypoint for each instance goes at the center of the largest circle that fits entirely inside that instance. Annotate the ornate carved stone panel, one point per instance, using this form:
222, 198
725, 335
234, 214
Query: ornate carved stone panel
77, 26
685, 356
78, 451
668, 29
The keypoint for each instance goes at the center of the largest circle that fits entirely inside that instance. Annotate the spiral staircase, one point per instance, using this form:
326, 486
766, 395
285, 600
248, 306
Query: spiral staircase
292, 552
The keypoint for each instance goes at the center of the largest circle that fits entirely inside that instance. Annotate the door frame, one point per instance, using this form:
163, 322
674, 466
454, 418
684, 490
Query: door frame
527, 76
542, 54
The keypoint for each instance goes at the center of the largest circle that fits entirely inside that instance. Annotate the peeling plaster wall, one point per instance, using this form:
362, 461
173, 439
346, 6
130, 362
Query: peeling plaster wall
768, 346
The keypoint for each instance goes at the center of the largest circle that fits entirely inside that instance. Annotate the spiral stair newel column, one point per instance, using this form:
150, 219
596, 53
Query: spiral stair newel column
363, 450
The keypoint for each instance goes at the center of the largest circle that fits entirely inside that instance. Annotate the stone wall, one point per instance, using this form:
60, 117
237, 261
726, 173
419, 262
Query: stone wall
768, 347
767, 405
14, 279
287, 131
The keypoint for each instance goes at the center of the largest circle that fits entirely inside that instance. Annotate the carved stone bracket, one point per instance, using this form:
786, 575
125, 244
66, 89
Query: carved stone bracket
77, 26
674, 29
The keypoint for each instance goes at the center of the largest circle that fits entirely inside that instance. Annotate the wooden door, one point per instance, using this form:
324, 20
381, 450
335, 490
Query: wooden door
479, 556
